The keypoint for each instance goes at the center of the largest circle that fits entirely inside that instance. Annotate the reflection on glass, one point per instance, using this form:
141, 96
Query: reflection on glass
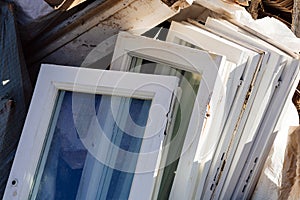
185, 43
182, 111
68, 170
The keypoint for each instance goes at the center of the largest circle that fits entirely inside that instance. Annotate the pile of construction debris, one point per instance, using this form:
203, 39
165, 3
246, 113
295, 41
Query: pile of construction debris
223, 135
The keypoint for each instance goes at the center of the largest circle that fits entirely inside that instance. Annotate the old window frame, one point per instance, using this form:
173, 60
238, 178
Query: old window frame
196, 187
52, 79
179, 57
254, 147
265, 134
273, 67
236, 54
256, 57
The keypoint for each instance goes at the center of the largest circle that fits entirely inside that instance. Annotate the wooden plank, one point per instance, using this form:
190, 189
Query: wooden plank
296, 18
115, 15
253, 9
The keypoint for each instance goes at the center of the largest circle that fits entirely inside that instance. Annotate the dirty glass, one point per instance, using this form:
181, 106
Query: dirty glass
76, 163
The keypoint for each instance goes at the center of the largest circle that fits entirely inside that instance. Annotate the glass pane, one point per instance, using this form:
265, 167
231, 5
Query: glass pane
182, 111
185, 43
78, 160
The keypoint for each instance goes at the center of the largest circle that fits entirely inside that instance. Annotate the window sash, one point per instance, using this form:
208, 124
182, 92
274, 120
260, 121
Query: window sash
262, 141
181, 58
231, 132
236, 59
160, 89
278, 65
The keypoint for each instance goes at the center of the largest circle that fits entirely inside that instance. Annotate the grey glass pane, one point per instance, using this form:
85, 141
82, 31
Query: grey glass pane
185, 43
68, 169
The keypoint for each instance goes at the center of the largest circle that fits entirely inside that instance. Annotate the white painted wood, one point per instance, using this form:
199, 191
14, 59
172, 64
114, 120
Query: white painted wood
178, 57
54, 78
94, 25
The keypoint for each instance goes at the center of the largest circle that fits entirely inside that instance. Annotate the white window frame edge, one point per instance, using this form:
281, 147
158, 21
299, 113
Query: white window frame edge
252, 113
191, 60
208, 41
228, 29
235, 54
253, 66
230, 134
249, 130
211, 23
285, 86
53, 78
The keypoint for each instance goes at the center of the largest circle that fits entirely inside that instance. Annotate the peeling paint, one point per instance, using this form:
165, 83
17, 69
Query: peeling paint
133, 15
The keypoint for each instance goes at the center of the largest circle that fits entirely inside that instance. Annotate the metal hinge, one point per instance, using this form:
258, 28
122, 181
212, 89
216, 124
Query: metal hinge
278, 84
241, 82
170, 115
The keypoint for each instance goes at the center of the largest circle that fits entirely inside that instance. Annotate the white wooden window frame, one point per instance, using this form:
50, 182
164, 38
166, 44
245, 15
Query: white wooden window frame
259, 105
179, 57
52, 78
236, 59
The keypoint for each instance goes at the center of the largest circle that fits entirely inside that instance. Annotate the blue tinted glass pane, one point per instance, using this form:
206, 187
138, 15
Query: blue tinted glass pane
69, 169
